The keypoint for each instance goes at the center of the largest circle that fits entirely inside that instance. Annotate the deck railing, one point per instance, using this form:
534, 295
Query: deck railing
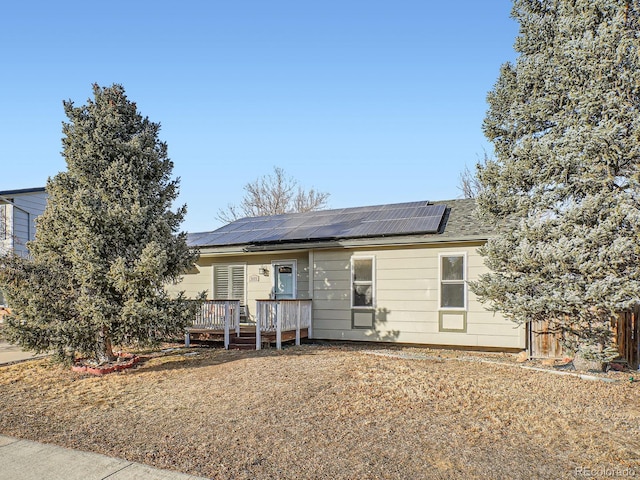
221, 315
281, 316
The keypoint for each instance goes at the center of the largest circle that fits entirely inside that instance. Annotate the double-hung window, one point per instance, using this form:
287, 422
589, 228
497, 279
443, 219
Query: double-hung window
362, 282
363, 292
453, 281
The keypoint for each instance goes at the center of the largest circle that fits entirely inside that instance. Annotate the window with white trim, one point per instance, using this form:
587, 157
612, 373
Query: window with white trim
453, 281
362, 282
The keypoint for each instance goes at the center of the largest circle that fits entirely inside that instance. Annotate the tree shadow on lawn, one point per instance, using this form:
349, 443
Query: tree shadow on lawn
187, 358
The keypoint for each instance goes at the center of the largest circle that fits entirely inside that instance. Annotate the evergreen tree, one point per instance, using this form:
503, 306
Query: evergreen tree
564, 185
107, 242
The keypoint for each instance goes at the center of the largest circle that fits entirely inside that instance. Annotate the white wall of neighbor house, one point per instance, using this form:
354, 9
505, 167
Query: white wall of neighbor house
6, 228
19, 220
407, 300
258, 276
17, 223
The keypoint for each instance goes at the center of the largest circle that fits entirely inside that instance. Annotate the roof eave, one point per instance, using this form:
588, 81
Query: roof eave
22, 191
341, 243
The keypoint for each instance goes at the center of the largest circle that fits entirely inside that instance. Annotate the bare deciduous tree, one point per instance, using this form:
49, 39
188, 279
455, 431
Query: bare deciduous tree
468, 183
272, 195
468, 180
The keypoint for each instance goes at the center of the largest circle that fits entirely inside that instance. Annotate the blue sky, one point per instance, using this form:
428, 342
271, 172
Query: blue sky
372, 101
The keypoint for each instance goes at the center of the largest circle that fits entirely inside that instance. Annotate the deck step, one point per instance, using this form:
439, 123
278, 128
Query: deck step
241, 346
242, 343
242, 340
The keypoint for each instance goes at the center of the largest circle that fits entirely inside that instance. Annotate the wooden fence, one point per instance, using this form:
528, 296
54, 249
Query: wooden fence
544, 343
627, 335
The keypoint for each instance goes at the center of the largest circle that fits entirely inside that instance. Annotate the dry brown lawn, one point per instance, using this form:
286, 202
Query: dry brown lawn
332, 411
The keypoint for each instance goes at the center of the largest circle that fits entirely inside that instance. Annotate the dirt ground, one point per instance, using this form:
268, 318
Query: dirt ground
333, 411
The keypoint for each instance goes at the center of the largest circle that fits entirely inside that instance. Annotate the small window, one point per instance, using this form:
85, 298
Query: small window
362, 282
453, 288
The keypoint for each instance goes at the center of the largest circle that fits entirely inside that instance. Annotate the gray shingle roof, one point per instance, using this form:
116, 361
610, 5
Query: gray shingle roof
461, 221
439, 221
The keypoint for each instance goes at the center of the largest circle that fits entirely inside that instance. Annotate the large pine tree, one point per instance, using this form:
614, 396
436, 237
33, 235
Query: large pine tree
107, 242
564, 186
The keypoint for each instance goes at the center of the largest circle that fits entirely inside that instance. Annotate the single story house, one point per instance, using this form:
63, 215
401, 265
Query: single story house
386, 273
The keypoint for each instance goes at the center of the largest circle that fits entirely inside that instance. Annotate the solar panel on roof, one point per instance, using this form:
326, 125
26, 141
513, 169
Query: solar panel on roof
428, 223
380, 220
333, 230
300, 233
294, 222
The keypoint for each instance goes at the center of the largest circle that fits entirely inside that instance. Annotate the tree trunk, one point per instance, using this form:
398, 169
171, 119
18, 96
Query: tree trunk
587, 365
104, 351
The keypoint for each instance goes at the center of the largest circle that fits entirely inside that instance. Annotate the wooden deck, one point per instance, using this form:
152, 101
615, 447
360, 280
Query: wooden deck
246, 339
277, 321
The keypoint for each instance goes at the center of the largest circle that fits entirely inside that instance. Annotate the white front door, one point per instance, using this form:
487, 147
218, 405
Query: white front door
284, 279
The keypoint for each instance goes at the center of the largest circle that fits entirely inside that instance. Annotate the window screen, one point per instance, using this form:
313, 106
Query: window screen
362, 289
452, 281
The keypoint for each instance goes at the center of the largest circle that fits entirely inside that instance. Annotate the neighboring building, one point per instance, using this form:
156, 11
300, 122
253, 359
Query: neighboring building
18, 211
390, 273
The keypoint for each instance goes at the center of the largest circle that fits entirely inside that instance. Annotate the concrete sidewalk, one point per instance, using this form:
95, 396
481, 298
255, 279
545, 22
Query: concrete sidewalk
11, 353
26, 460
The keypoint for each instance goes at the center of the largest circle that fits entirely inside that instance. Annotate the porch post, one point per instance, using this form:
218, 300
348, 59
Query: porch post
278, 326
236, 317
187, 339
298, 323
260, 307
226, 324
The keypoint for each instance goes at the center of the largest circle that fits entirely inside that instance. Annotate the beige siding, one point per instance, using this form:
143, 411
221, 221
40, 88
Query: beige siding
406, 294
257, 285
407, 289
197, 280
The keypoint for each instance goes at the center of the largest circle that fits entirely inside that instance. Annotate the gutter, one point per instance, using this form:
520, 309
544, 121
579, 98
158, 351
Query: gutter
346, 243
